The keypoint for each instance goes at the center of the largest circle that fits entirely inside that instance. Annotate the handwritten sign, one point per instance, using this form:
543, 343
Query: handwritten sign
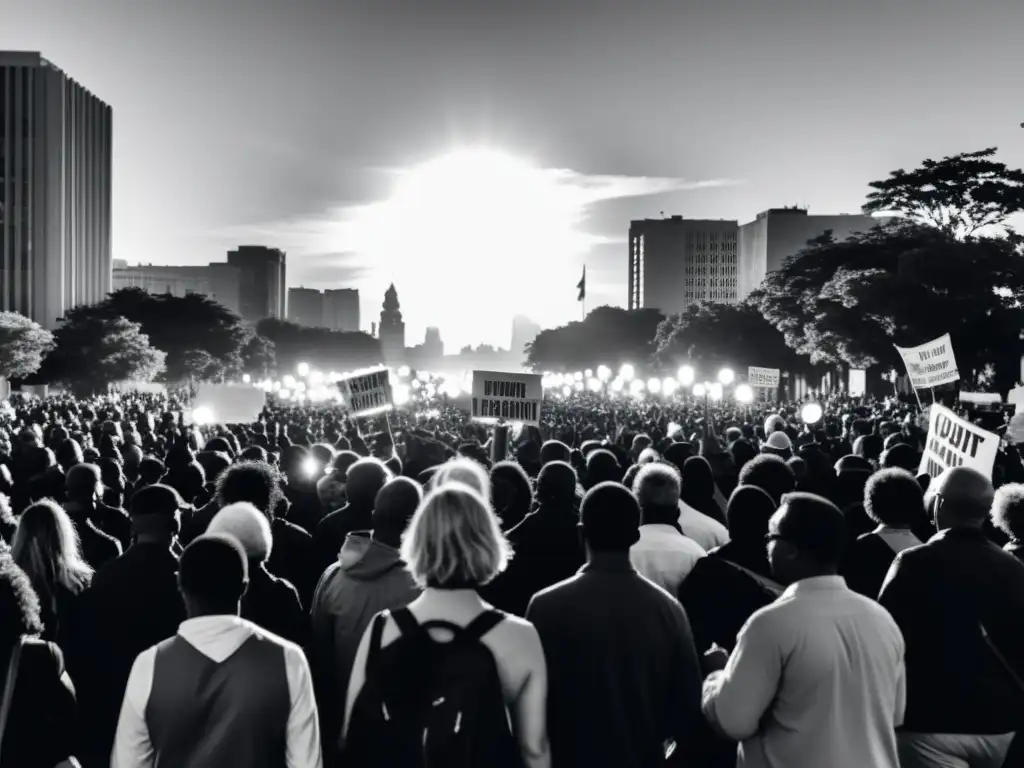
931, 364
762, 377
507, 396
367, 392
953, 442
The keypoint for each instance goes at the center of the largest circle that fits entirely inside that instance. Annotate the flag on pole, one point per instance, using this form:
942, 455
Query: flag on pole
582, 286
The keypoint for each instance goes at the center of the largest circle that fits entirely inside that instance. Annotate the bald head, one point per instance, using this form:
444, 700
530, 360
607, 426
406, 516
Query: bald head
964, 495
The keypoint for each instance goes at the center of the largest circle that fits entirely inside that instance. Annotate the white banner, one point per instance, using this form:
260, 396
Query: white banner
762, 377
226, 404
507, 396
953, 442
367, 392
931, 364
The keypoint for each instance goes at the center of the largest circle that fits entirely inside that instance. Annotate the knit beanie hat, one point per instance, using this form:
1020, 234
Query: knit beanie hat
248, 526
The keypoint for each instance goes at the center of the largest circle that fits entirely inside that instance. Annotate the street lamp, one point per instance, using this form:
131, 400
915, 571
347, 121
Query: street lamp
726, 376
302, 369
685, 376
811, 414
699, 390
626, 372
654, 386
744, 394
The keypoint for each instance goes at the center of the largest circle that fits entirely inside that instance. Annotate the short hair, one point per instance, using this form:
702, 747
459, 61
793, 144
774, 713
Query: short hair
657, 485
214, 569
610, 518
900, 456
394, 507
648, 456
554, 450
894, 497
256, 482
814, 525
454, 539
248, 526
1008, 510
769, 473
465, 471
82, 479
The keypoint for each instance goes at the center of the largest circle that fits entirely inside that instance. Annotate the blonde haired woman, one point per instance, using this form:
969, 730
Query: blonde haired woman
465, 471
453, 545
47, 549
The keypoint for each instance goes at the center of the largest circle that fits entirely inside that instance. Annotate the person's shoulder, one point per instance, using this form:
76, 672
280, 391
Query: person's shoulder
43, 656
290, 530
562, 592
292, 651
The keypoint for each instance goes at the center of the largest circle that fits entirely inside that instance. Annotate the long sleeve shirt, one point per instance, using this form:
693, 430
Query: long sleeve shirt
816, 679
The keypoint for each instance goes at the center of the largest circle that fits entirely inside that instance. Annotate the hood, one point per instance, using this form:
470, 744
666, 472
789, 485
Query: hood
365, 559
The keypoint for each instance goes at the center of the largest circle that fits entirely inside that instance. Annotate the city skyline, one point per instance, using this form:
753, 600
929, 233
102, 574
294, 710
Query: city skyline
280, 124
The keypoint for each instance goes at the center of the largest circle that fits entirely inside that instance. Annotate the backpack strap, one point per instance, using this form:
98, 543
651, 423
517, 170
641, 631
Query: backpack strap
10, 680
406, 622
376, 633
482, 624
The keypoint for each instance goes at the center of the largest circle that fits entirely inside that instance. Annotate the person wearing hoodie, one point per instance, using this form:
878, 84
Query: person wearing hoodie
362, 482
368, 576
271, 602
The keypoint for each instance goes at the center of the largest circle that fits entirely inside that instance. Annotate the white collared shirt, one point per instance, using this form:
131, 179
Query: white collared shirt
706, 531
665, 556
217, 637
816, 679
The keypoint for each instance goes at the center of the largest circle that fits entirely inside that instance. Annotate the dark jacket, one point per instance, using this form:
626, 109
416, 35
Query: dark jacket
623, 675
368, 577
293, 559
98, 548
547, 550
132, 604
331, 532
869, 558
274, 604
41, 728
942, 594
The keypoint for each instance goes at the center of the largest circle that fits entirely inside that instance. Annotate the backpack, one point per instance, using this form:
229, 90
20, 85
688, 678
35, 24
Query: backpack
431, 704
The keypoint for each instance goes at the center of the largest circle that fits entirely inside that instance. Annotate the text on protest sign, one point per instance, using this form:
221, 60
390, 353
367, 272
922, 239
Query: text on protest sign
931, 364
954, 442
762, 377
368, 392
508, 396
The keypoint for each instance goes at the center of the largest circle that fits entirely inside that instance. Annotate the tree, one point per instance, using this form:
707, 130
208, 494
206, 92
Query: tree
330, 350
711, 336
23, 345
93, 352
176, 325
607, 336
259, 356
200, 365
959, 194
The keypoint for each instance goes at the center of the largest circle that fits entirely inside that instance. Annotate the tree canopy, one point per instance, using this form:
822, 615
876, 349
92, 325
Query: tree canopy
93, 352
337, 350
608, 335
959, 194
23, 345
711, 336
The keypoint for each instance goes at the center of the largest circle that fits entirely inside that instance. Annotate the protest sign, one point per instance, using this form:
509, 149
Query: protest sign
762, 377
367, 392
954, 442
931, 364
226, 404
507, 396
1015, 429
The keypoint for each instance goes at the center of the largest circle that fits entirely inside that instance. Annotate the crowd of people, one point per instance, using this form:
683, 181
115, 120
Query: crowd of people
634, 583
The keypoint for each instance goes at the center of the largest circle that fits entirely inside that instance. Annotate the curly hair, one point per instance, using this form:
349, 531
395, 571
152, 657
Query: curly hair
19, 604
256, 482
1008, 510
894, 497
771, 474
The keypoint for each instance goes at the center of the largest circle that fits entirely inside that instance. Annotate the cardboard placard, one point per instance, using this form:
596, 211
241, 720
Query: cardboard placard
931, 364
367, 392
954, 442
514, 397
763, 377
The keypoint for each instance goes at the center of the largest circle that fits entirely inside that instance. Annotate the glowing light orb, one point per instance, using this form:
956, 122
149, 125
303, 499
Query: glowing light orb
811, 413
685, 376
744, 394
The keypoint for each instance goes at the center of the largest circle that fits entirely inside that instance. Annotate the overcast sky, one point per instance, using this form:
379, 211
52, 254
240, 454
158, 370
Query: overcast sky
259, 121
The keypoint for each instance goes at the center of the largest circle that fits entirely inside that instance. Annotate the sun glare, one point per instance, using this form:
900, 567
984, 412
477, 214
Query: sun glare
475, 237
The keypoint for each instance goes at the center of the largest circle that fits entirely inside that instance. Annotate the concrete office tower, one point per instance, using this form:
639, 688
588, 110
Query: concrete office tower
776, 234
392, 328
341, 309
263, 291
55, 190
219, 282
305, 307
676, 262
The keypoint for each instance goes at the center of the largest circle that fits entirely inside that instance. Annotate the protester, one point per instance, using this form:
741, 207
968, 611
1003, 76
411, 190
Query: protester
84, 489
817, 677
39, 731
959, 600
362, 482
221, 691
1008, 517
453, 545
269, 602
623, 671
369, 577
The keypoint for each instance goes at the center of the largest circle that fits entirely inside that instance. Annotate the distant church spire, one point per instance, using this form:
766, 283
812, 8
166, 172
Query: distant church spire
392, 329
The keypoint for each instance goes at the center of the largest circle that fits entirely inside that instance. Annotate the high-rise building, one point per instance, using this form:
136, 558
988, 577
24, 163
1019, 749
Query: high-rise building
55, 190
341, 309
305, 307
676, 262
219, 282
776, 234
392, 328
336, 309
263, 291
